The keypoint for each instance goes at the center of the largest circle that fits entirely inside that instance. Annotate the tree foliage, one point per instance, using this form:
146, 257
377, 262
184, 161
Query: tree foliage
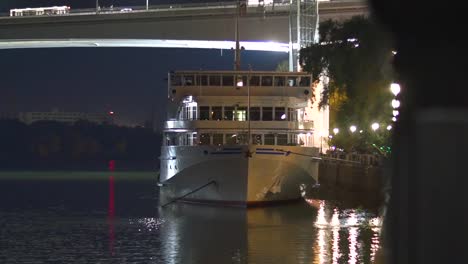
356, 56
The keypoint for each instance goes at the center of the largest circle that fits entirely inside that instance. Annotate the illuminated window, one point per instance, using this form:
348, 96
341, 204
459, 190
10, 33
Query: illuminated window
292, 81
292, 114
241, 114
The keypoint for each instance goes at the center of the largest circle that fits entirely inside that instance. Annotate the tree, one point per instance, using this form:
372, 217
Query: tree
356, 56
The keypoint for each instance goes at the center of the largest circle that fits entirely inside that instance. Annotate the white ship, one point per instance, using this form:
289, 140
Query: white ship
237, 138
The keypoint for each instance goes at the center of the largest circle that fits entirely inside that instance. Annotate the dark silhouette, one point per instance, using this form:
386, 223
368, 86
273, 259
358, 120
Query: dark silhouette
83, 145
428, 181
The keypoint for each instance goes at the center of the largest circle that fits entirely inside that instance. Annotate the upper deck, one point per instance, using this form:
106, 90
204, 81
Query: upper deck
239, 83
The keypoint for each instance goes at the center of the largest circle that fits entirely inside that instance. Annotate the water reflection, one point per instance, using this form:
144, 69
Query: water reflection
203, 234
118, 221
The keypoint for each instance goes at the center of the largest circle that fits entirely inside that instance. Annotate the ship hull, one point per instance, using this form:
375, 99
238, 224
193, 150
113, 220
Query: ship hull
248, 175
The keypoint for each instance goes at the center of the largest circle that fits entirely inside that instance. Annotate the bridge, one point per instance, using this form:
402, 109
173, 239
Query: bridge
282, 27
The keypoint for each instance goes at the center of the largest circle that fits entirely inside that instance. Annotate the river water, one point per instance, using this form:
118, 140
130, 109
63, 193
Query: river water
102, 217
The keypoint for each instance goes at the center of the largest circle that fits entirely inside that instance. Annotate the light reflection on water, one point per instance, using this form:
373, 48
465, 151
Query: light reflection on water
118, 221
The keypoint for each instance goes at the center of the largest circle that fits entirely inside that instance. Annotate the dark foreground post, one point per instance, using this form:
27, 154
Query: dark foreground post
426, 221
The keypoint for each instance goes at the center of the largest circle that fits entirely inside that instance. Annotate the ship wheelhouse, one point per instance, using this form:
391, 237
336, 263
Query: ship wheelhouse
238, 107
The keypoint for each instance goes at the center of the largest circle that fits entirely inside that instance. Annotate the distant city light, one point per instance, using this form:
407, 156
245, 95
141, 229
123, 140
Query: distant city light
336, 130
394, 119
394, 52
395, 113
330, 136
395, 88
395, 103
375, 126
352, 129
389, 127
111, 112
360, 131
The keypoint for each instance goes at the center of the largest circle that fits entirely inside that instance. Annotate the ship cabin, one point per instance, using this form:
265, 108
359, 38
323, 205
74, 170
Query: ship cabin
224, 107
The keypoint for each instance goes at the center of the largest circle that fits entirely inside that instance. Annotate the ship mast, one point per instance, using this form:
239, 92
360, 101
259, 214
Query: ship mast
237, 53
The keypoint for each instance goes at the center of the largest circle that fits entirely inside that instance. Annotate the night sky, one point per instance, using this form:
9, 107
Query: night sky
129, 81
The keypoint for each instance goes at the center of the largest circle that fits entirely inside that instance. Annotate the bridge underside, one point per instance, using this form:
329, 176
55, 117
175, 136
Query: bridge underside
141, 43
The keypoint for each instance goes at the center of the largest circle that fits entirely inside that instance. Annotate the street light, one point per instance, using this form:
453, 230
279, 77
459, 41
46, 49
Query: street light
389, 127
352, 128
336, 130
395, 103
395, 88
394, 119
395, 113
375, 126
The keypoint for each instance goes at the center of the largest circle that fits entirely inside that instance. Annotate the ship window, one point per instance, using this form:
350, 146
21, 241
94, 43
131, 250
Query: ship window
267, 80
255, 113
280, 114
217, 139
255, 80
305, 81
279, 80
216, 112
228, 113
189, 80
204, 139
203, 80
215, 80
192, 139
241, 138
193, 113
241, 114
256, 139
228, 80
204, 112
176, 80
269, 139
292, 81
282, 139
171, 139
241, 81
231, 139
292, 114
293, 139
267, 114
